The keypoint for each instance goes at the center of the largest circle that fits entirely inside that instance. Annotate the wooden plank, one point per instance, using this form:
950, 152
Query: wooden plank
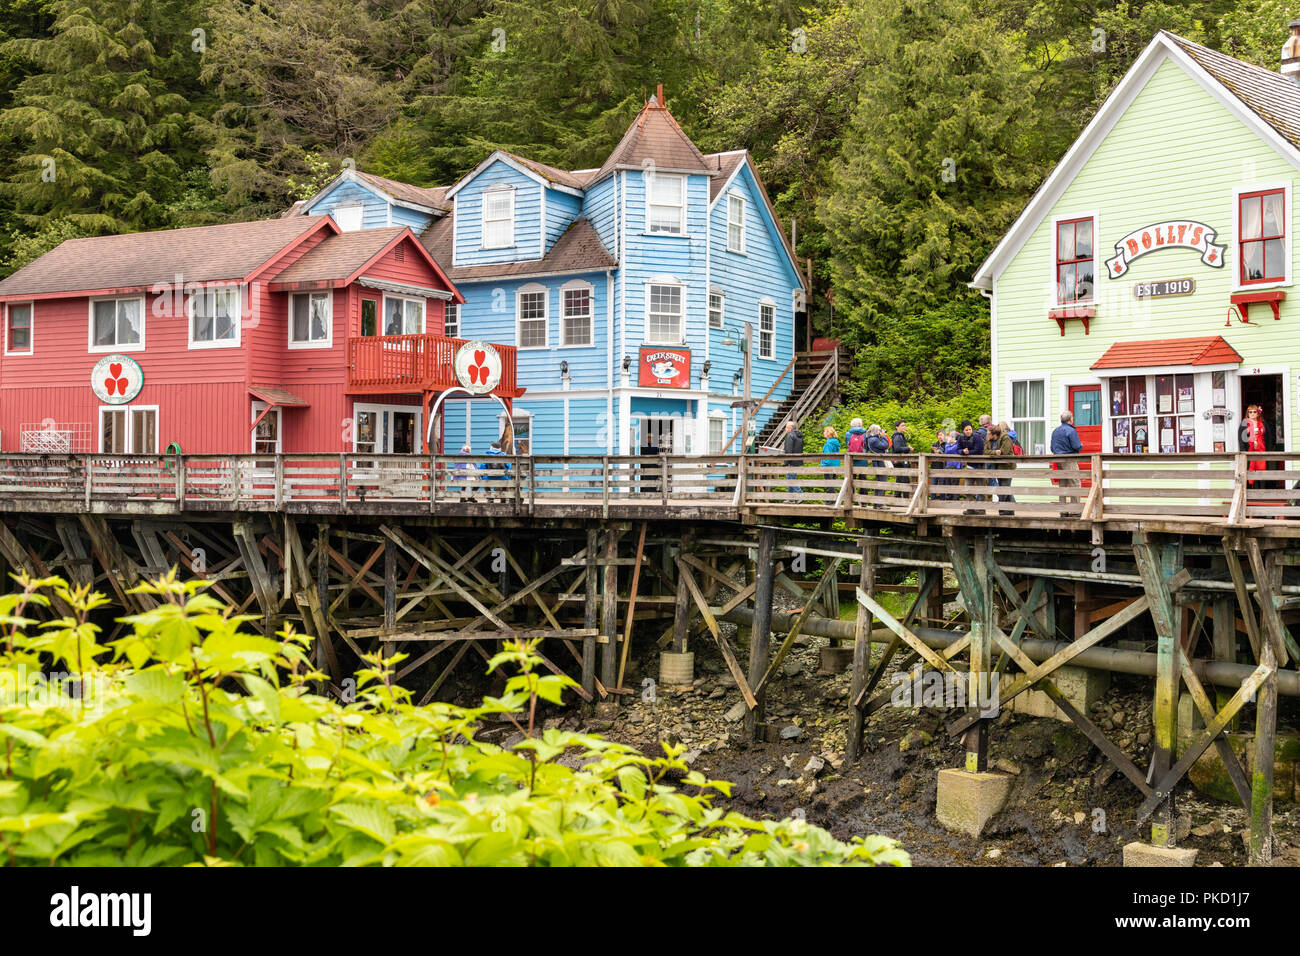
914, 642
1265, 595
732, 664
795, 628
515, 634
631, 594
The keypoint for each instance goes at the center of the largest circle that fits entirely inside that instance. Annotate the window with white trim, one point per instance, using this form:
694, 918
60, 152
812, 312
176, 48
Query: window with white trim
403, 316
531, 319
18, 330
266, 436
1029, 414
1075, 261
1261, 236
498, 218
717, 435
128, 429
664, 321
575, 324
348, 215
766, 330
214, 317
715, 310
735, 223
666, 213
311, 320
451, 321
116, 324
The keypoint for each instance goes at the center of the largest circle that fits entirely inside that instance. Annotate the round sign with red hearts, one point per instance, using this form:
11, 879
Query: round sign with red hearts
478, 367
116, 379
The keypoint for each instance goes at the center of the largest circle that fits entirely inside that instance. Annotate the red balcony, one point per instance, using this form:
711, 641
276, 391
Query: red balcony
416, 363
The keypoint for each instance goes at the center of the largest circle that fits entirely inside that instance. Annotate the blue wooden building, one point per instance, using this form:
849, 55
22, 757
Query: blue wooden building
625, 288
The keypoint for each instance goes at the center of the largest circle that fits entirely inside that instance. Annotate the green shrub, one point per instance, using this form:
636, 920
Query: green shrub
195, 742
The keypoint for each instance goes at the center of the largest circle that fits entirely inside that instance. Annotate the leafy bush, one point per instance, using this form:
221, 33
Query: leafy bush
192, 741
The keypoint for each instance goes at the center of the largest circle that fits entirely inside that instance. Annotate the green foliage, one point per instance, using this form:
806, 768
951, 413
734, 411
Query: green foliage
922, 415
201, 743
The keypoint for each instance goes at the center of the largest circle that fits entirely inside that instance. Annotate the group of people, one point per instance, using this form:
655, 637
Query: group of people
465, 474
982, 440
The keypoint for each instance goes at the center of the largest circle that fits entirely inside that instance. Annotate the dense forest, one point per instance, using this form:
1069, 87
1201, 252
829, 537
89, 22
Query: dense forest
901, 137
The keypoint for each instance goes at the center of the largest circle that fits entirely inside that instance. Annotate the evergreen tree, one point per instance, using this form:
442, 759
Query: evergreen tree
103, 121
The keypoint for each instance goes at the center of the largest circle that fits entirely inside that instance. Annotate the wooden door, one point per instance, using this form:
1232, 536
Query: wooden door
1085, 403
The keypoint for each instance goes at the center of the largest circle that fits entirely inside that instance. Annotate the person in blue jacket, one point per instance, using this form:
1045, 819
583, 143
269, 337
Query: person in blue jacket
831, 447
496, 471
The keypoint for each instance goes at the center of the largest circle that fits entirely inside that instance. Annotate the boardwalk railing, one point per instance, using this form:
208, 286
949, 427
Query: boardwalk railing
1226, 489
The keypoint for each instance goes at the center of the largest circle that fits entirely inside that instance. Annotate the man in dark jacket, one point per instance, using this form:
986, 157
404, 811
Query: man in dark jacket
792, 444
970, 444
999, 446
1065, 441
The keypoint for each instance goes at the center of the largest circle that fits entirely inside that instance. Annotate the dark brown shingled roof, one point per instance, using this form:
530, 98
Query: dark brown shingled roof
724, 164
654, 135
1271, 96
340, 256
143, 259
549, 173
579, 249
420, 195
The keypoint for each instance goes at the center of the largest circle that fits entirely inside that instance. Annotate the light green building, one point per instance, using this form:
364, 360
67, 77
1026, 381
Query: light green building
1145, 284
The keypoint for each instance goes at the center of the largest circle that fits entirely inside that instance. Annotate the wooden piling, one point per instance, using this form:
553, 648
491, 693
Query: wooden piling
761, 633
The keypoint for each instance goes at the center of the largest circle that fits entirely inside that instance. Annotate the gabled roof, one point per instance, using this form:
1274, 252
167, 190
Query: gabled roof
538, 172
1265, 102
578, 249
654, 136
433, 197
228, 252
1161, 353
725, 165
729, 166
343, 258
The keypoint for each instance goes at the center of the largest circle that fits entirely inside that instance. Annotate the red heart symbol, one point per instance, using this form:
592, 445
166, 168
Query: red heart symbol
110, 385
121, 386
473, 374
115, 370
479, 356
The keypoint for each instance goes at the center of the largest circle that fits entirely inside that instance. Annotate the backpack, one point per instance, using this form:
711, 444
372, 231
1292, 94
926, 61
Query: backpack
1015, 448
858, 441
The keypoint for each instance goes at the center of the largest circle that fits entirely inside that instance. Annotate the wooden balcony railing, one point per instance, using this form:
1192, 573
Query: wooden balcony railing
416, 363
1183, 492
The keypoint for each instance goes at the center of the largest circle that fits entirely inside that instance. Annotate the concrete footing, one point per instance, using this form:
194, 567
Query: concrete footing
834, 660
1081, 687
967, 801
1144, 854
676, 668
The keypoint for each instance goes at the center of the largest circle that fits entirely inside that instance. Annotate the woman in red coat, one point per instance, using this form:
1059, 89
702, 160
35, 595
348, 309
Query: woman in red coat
1254, 436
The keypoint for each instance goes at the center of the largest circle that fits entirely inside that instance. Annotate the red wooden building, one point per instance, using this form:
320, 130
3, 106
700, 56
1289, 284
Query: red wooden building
283, 335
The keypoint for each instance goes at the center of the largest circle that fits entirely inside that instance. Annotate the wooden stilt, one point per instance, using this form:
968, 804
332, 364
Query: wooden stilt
761, 633
589, 614
1261, 784
1157, 561
862, 647
609, 612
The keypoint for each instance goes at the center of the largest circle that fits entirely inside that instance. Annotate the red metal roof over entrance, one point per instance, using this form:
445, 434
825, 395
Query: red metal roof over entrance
1156, 353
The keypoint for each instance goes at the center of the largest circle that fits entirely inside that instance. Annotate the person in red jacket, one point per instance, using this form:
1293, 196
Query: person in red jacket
1254, 436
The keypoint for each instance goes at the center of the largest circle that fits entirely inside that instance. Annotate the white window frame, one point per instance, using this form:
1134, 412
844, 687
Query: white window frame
215, 343
766, 303
495, 192
649, 178
516, 416
533, 288
379, 409
1235, 219
257, 409
734, 198
451, 308
719, 419
130, 428
383, 312
1046, 417
328, 341
721, 309
117, 347
671, 282
353, 208
578, 285
1097, 262
31, 328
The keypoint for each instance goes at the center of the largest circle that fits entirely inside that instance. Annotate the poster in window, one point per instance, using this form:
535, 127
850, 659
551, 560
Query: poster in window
1166, 403
1117, 404
1185, 403
1139, 439
1219, 389
1219, 432
1167, 446
1186, 436
1121, 435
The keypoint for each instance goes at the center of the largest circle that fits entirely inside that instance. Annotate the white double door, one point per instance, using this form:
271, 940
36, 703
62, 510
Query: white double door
387, 429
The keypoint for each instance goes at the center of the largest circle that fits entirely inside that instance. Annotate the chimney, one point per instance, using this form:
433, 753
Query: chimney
1291, 53
659, 94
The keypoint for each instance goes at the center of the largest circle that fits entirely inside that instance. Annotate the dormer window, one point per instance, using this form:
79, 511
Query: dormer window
498, 218
667, 203
348, 216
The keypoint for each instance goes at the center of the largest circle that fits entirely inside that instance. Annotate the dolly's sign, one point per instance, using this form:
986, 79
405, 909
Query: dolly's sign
1175, 234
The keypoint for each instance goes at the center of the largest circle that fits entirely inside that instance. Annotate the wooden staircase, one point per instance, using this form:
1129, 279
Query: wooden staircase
816, 385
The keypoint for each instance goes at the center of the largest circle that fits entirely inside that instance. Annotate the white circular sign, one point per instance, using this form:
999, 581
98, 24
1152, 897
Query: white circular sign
478, 367
116, 379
